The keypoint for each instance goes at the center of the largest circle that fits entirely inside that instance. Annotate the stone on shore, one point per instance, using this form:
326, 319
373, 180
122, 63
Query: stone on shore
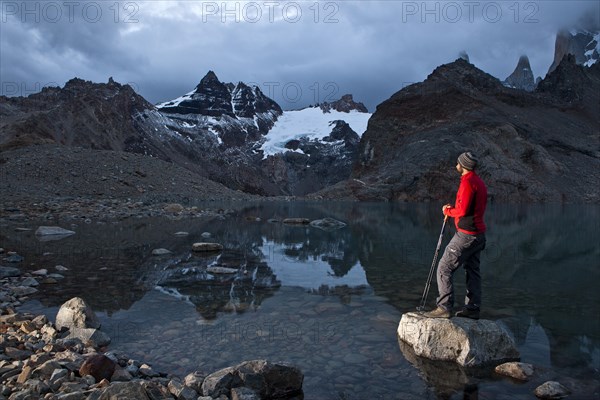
99, 366
53, 230
173, 208
551, 390
23, 291
75, 313
516, 370
206, 247
89, 336
121, 390
194, 380
9, 272
269, 380
180, 391
464, 341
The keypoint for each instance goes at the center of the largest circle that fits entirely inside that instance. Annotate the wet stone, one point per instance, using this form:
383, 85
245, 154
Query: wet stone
160, 252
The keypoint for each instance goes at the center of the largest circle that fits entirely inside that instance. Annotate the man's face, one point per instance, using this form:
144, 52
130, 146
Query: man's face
459, 168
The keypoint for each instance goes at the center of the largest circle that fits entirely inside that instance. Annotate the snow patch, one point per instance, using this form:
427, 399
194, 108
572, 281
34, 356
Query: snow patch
310, 122
177, 101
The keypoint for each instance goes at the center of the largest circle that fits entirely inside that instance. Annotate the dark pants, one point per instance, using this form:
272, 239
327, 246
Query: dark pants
464, 250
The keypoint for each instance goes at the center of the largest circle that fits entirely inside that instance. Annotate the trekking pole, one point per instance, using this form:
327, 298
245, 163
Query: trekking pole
432, 269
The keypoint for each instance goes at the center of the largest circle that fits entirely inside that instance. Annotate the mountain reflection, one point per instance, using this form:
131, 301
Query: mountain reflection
541, 264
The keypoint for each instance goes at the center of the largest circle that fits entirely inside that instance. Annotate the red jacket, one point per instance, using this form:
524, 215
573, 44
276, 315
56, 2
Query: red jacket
471, 200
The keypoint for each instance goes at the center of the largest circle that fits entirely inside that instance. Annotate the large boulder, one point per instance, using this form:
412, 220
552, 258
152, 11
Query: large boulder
269, 380
75, 313
465, 341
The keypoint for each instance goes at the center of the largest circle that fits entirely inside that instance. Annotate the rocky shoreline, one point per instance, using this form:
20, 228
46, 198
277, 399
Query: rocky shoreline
69, 359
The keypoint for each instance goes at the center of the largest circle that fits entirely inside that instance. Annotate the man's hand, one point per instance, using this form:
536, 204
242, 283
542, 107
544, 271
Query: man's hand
444, 208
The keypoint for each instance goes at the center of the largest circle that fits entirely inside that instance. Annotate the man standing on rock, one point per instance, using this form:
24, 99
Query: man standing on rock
467, 243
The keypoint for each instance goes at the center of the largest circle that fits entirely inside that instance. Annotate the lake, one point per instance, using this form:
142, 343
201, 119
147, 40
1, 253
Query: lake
330, 301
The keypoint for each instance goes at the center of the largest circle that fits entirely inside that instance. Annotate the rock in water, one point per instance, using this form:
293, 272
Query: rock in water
327, 224
75, 313
467, 342
221, 270
517, 370
160, 252
296, 221
52, 230
207, 247
551, 390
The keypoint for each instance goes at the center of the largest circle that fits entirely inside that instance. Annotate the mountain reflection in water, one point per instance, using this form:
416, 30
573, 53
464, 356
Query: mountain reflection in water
349, 286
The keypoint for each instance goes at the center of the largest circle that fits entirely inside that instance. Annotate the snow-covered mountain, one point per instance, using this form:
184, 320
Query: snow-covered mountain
235, 114
291, 152
583, 44
311, 123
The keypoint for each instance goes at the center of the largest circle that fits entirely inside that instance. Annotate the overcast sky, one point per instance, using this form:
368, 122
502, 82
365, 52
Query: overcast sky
299, 53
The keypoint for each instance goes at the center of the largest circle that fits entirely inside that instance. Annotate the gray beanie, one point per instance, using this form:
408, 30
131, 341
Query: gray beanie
468, 160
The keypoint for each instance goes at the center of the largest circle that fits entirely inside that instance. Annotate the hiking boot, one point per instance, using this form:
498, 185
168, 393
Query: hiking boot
467, 313
438, 313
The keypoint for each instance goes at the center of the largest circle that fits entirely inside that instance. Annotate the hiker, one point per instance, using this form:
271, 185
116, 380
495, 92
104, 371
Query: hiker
466, 245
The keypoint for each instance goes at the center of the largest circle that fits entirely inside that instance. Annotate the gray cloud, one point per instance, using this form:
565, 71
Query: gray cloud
298, 52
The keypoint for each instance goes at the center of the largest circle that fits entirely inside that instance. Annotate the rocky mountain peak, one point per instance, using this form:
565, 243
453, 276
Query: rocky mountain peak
574, 83
210, 77
522, 77
584, 45
345, 104
460, 73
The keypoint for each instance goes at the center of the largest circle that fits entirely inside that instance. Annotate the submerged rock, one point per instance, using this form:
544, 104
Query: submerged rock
53, 230
221, 270
517, 370
327, 224
551, 390
467, 342
160, 252
296, 221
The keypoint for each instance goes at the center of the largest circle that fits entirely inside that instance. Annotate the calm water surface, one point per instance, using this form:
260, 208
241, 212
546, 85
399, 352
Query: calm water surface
330, 302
